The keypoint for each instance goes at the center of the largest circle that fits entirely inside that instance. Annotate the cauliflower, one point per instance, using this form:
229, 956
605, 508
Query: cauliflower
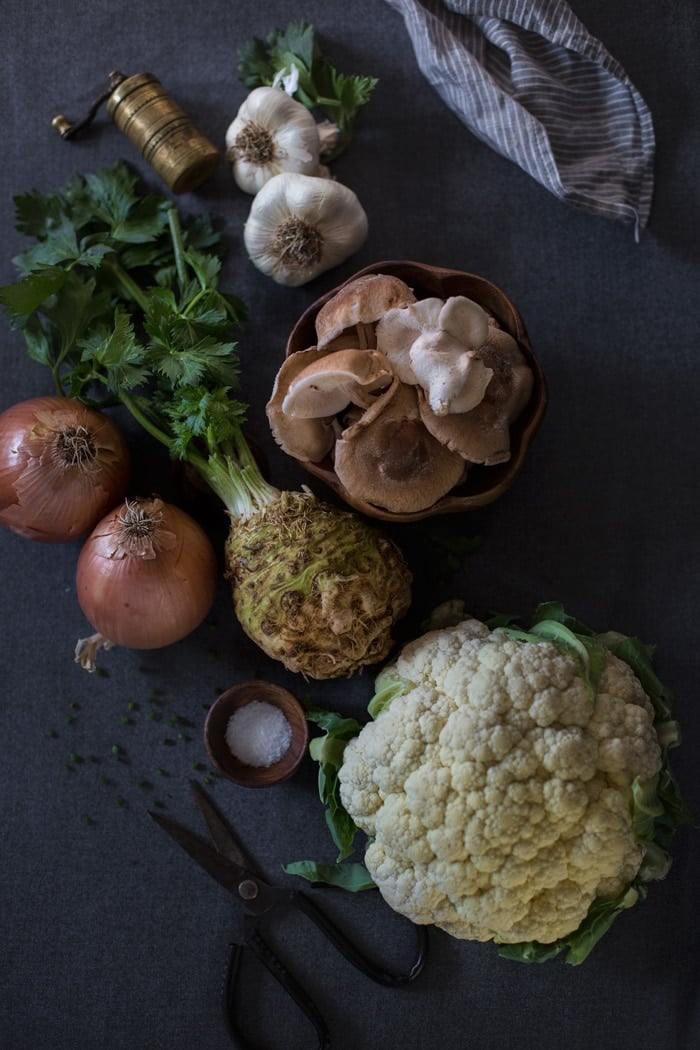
513, 785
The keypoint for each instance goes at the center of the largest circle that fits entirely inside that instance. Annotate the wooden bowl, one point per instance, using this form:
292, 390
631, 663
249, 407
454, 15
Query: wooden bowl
217, 720
483, 484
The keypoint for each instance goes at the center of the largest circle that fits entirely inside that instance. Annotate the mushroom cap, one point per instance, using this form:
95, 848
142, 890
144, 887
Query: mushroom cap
482, 435
432, 344
305, 439
389, 459
360, 303
335, 380
453, 379
399, 328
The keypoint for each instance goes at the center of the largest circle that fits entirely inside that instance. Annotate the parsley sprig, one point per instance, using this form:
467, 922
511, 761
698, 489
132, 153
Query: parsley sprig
119, 298
339, 96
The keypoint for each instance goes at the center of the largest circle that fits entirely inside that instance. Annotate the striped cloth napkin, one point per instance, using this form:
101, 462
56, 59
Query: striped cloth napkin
527, 78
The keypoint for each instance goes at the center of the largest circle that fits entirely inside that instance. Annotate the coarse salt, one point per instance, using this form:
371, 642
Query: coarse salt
258, 734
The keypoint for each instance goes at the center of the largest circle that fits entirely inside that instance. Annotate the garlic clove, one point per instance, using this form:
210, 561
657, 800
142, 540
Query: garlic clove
301, 225
390, 460
328, 134
329, 384
355, 309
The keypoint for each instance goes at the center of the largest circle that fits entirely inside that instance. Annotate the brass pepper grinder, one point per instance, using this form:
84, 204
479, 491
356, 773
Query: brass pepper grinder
163, 133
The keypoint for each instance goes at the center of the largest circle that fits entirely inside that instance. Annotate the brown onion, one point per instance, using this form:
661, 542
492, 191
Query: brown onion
146, 577
62, 466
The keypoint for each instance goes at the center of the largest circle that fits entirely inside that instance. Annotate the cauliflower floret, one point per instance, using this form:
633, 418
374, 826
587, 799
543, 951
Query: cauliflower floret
496, 790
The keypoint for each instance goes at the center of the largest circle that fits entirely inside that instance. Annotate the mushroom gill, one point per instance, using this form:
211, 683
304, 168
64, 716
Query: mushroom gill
389, 459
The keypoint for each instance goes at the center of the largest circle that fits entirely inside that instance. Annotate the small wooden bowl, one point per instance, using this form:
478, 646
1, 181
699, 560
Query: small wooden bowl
483, 484
219, 752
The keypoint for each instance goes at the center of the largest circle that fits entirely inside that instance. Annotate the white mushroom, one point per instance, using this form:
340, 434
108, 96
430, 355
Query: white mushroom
388, 458
305, 439
349, 317
465, 320
454, 379
399, 328
431, 344
483, 434
330, 383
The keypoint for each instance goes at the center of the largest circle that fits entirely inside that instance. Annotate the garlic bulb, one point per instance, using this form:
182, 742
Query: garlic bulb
271, 133
301, 225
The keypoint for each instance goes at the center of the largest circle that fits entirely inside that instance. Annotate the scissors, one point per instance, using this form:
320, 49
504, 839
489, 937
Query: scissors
227, 862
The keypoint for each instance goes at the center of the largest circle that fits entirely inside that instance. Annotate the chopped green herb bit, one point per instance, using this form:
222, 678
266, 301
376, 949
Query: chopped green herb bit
169, 742
70, 720
74, 705
101, 672
143, 784
117, 750
120, 801
52, 733
87, 819
158, 804
76, 758
126, 721
132, 706
179, 720
162, 773
199, 766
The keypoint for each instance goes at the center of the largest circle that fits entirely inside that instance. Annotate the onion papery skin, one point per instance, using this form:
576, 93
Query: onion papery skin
42, 497
153, 594
315, 586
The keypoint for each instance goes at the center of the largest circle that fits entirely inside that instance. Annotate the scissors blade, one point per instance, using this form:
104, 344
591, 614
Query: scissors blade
225, 871
221, 833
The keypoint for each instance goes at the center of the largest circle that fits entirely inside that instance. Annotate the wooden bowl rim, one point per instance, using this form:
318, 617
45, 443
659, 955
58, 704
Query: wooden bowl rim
494, 480
222, 710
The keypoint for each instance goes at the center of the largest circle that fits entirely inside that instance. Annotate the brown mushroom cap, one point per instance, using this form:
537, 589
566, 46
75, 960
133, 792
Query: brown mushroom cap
389, 459
482, 435
306, 439
349, 317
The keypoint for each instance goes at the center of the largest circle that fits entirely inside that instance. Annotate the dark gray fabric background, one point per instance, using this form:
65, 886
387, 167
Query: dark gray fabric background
110, 938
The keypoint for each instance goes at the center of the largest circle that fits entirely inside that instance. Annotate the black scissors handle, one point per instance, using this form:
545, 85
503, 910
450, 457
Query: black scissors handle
257, 944
355, 955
